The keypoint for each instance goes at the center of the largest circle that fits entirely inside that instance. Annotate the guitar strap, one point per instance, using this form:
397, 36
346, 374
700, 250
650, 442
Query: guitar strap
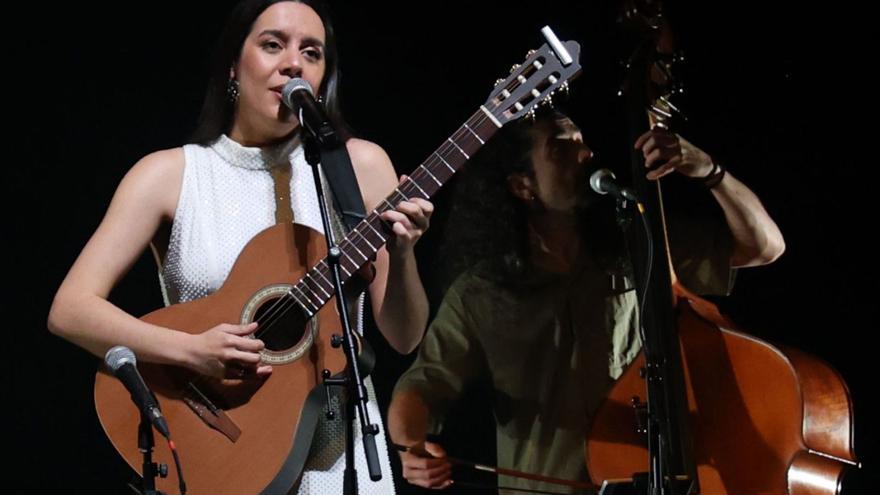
281, 181
292, 468
339, 172
337, 168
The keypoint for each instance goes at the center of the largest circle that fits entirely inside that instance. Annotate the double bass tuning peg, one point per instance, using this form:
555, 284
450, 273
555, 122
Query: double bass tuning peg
678, 57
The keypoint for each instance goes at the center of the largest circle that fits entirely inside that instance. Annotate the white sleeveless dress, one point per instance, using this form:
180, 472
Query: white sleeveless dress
226, 198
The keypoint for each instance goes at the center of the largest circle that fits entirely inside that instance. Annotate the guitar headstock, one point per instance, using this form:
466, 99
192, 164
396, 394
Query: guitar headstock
534, 82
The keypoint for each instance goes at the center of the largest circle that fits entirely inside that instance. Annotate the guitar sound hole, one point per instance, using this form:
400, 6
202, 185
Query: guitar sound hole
282, 324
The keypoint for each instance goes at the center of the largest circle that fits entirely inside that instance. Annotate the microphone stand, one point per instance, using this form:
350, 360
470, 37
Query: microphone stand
352, 381
150, 468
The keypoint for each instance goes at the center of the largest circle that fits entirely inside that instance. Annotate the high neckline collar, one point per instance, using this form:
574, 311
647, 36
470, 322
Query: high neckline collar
255, 158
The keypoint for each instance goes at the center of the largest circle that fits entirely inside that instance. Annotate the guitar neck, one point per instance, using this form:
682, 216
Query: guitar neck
365, 240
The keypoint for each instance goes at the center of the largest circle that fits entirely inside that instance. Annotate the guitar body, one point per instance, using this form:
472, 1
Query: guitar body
265, 412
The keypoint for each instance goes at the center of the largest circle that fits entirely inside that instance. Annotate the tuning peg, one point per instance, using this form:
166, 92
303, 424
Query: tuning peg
660, 124
564, 88
673, 110
514, 67
498, 81
531, 115
678, 56
530, 53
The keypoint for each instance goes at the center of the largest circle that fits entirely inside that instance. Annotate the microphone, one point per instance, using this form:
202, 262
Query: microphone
297, 95
122, 363
603, 181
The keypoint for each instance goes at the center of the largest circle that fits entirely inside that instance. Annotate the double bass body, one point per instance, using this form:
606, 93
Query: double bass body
763, 420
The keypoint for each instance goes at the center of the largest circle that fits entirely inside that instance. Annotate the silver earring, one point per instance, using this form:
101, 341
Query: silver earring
232, 90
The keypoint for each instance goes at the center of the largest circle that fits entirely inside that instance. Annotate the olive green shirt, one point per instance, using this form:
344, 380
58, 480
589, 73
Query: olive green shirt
550, 348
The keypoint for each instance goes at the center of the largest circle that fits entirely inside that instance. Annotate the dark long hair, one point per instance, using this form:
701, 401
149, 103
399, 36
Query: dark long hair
487, 226
217, 111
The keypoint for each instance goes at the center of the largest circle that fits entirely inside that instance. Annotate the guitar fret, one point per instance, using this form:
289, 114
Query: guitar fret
320, 285
370, 225
469, 139
439, 184
445, 162
341, 266
305, 296
322, 282
308, 279
309, 312
458, 148
475, 134
319, 272
426, 195
356, 231
326, 266
354, 246
308, 299
385, 223
345, 257
390, 206
398, 191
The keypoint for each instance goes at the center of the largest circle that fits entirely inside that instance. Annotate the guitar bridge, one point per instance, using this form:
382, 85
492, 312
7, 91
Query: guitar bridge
210, 414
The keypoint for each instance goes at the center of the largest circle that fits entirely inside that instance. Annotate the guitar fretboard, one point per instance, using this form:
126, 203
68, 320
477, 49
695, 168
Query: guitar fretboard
365, 240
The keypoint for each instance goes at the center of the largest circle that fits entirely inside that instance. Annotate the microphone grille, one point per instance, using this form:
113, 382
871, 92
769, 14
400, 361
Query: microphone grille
295, 84
597, 177
119, 356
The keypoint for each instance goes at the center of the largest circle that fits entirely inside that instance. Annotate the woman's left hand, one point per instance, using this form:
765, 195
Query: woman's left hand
408, 221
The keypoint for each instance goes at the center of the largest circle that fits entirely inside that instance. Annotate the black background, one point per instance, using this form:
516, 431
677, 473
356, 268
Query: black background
780, 91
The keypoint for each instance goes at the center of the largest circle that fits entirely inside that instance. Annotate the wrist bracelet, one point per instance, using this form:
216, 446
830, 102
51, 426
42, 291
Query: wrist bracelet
715, 176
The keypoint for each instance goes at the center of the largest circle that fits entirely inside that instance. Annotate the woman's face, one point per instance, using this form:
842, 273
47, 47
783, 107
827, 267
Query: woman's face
287, 41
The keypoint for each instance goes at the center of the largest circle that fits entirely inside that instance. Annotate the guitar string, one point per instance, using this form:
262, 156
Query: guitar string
286, 302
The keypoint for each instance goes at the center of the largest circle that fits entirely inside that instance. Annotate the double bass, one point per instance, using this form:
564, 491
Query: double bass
705, 407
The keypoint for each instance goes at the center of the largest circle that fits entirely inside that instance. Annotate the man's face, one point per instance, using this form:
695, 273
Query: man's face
560, 160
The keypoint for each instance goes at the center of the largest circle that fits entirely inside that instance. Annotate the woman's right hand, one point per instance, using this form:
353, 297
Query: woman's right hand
426, 465
227, 351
